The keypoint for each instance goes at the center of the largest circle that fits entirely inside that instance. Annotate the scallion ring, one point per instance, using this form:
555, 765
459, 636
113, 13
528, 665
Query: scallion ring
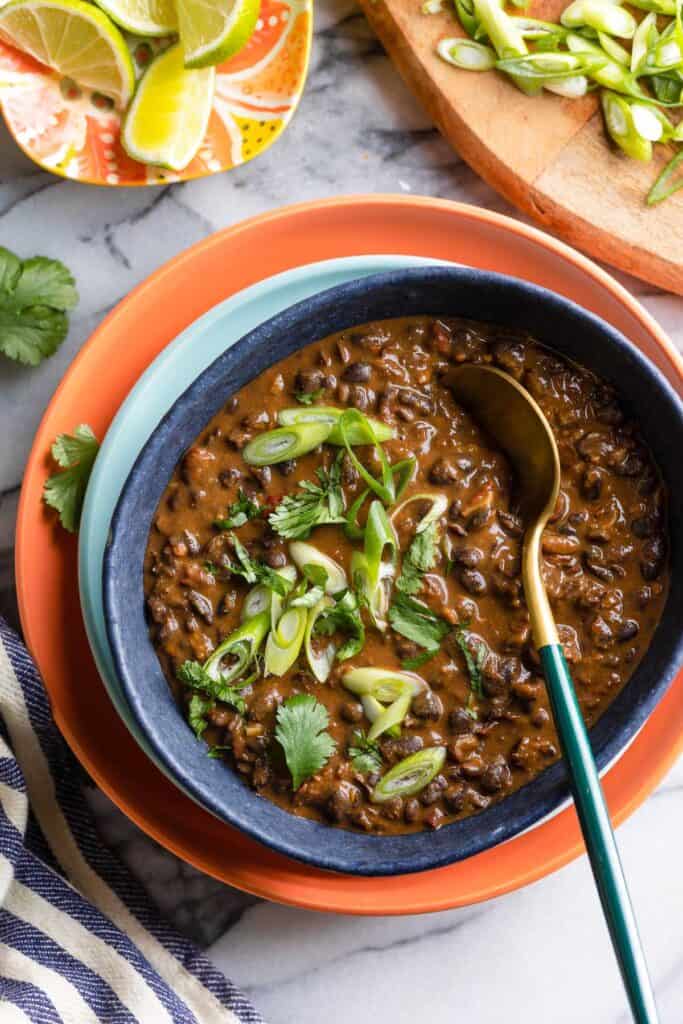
351, 422
390, 718
466, 54
285, 641
330, 414
668, 182
284, 443
438, 505
411, 775
303, 554
644, 40
319, 661
385, 684
373, 709
238, 650
373, 569
548, 66
621, 127
573, 87
603, 17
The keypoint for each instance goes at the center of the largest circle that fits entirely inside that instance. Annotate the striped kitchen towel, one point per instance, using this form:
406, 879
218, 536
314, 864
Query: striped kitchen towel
79, 941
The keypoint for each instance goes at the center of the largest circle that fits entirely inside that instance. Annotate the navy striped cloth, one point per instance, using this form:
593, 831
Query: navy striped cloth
79, 941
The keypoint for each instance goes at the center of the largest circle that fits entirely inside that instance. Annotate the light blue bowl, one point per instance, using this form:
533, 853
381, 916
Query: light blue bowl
167, 378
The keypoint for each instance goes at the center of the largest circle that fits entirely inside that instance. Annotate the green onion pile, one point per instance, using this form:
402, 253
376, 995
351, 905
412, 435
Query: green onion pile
642, 84
311, 609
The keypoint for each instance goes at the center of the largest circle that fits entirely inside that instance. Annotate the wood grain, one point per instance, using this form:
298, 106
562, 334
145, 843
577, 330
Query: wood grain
547, 155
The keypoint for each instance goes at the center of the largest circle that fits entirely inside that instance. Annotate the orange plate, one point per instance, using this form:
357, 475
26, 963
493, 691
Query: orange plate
92, 391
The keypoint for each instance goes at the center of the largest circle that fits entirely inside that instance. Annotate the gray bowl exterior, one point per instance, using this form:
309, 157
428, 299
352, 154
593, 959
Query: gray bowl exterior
456, 291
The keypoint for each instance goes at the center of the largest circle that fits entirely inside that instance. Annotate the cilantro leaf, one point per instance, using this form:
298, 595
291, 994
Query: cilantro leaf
308, 397
194, 675
420, 557
65, 491
474, 662
313, 505
365, 754
415, 621
239, 513
197, 711
344, 617
301, 731
254, 571
35, 296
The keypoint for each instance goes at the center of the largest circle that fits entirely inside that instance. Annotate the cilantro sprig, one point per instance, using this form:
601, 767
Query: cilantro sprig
239, 513
344, 617
474, 663
308, 397
415, 621
301, 731
254, 571
35, 296
420, 557
64, 491
206, 692
365, 754
313, 505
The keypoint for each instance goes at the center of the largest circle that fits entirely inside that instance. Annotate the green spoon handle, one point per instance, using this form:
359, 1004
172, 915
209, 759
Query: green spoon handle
598, 835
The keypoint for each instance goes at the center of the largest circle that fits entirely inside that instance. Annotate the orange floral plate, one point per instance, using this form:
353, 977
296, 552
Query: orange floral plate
94, 387
75, 132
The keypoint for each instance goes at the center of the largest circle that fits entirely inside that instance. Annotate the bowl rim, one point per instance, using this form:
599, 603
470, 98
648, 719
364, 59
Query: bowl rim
554, 776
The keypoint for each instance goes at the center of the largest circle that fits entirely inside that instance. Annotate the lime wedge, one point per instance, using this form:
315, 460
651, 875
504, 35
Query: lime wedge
168, 117
213, 30
142, 17
73, 38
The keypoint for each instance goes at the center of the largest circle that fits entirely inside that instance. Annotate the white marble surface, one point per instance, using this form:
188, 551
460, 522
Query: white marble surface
541, 954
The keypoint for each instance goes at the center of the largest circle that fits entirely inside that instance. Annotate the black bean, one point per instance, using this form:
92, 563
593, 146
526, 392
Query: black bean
307, 381
468, 557
628, 630
460, 722
358, 373
644, 526
345, 798
454, 798
495, 777
351, 711
286, 467
201, 605
473, 581
443, 471
427, 705
411, 811
276, 559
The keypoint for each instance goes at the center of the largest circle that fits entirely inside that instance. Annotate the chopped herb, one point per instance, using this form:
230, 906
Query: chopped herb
194, 675
420, 557
365, 754
309, 397
313, 505
35, 296
254, 571
65, 491
344, 617
316, 574
415, 621
240, 512
212, 568
218, 750
199, 706
420, 659
474, 663
301, 731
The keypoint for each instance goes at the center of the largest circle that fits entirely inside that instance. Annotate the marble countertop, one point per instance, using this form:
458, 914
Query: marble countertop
545, 947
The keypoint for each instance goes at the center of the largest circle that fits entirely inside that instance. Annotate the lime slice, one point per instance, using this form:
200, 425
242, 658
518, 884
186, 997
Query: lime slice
142, 17
168, 117
73, 38
213, 30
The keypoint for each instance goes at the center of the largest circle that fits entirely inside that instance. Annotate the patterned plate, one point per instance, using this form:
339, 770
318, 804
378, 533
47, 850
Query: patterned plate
75, 132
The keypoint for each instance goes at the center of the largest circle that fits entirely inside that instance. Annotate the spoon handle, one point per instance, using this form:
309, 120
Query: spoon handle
598, 835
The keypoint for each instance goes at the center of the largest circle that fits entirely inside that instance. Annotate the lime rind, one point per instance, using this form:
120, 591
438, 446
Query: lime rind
142, 17
212, 31
43, 28
168, 118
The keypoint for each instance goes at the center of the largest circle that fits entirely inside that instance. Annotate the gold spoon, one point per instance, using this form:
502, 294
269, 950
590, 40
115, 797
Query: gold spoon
518, 425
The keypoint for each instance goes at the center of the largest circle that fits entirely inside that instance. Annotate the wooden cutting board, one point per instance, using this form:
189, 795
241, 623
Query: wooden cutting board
547, 155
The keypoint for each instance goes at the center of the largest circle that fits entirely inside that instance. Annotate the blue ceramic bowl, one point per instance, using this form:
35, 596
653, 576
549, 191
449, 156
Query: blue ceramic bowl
457, 291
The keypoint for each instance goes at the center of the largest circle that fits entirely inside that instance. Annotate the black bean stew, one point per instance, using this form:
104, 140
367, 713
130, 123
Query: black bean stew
364, 659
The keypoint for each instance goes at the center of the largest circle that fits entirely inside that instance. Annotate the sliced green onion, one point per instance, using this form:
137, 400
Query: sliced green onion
330, 415
611, 74
644, 40
374, 568
373, 709
572, 87
402, 472
350, 423
667, 7
603, 17
284, 443
432, 6
242, 646
614, 49
549, 66
304, 554
504, 36
319, 662
438, 502
385, 684
621, 127
468, 19
651, 123
411, 775
667, 88
668, 182
546, 34
390, 718
466, 54
285, 641
261, 598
